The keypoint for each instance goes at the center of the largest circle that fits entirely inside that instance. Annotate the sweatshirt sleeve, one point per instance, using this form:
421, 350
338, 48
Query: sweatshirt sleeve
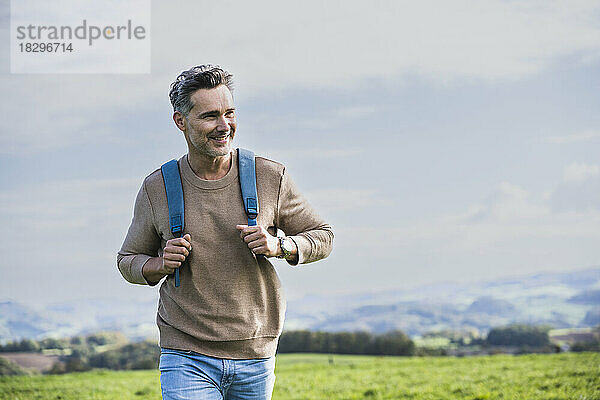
301, 223
142, 241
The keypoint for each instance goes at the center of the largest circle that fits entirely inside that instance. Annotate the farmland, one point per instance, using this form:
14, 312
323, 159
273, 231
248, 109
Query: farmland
319, 376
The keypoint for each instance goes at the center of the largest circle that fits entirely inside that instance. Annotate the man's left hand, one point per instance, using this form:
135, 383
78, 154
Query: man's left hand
259, 240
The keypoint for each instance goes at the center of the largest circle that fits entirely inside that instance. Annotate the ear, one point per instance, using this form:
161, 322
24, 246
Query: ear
179, 120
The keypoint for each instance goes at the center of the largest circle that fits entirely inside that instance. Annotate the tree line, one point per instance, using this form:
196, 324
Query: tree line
111, 350
519, 335
76, 342
304, 341
393, 343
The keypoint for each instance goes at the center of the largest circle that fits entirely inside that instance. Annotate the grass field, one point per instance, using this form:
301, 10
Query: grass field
312, 376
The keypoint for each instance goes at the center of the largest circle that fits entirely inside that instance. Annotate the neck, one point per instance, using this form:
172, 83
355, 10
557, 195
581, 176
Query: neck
210, 168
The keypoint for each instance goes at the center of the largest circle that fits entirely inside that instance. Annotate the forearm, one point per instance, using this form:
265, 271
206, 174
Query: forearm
130, 265
313, 245
141, 243
301, 223
152, 270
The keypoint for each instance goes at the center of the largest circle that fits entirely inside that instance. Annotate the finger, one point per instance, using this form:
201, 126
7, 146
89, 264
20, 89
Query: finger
188, 239
177, 250
241, 227
245, 229
255, 229
180, 242
254, 236
257, 243
244, 234
174, 257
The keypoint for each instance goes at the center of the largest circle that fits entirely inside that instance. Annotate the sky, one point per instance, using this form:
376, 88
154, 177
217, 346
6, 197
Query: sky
443, 140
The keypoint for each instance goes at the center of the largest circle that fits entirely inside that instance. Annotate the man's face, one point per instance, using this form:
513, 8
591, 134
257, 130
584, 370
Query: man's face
210, 125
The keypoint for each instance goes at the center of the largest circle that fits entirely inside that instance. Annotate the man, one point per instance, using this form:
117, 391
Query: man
219, 329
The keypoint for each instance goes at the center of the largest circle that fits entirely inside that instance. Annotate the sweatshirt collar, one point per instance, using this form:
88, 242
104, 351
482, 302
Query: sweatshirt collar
188, 174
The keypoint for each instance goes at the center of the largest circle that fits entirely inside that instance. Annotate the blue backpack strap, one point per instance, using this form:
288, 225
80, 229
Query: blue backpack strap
247, 171
174, 189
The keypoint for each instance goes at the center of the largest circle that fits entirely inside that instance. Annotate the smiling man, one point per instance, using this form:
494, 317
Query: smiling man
219, 329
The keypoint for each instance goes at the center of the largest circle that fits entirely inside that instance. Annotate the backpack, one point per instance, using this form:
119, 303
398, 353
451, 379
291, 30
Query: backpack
174, 189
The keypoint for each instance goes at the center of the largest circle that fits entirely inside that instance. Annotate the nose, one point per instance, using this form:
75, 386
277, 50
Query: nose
222, 124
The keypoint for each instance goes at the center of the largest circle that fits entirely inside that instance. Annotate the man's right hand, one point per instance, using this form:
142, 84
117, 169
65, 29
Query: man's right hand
174, 254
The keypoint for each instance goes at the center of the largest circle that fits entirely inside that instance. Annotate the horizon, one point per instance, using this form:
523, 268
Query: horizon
549, 299
400, 290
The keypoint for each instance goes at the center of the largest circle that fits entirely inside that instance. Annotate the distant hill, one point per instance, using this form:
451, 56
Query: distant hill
134, 319
491, 306
563, 300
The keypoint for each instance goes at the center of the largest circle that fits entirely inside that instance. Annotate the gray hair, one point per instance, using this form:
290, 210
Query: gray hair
205, 76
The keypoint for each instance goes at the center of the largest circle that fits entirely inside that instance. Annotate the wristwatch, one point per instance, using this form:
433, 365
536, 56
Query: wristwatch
286, 247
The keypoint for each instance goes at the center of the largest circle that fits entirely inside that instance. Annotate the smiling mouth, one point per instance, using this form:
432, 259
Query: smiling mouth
221, 137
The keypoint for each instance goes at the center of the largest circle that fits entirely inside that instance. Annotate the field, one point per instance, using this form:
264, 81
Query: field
316, 376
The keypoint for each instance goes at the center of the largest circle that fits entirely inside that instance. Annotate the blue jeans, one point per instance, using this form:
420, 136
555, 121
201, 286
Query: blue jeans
186, 375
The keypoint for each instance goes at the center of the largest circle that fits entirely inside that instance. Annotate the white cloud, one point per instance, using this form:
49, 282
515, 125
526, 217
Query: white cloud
508, 202
45, 112
580, 189
515, 232
579, 172
274, 44
508, 212
277, 45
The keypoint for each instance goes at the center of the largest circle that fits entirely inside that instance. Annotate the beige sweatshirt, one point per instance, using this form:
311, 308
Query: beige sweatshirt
229, 303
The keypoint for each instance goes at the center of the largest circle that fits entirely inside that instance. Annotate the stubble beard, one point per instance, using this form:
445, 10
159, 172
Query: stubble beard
214, 152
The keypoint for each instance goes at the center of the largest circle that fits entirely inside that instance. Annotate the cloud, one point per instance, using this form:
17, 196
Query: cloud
512, 231
46, 112
271, 45
579, 173
508, 212
511, 218
580, 189
508, 202
274, 44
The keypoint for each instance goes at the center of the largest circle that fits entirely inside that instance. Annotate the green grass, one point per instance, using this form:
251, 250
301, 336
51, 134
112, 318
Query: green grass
311, 376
